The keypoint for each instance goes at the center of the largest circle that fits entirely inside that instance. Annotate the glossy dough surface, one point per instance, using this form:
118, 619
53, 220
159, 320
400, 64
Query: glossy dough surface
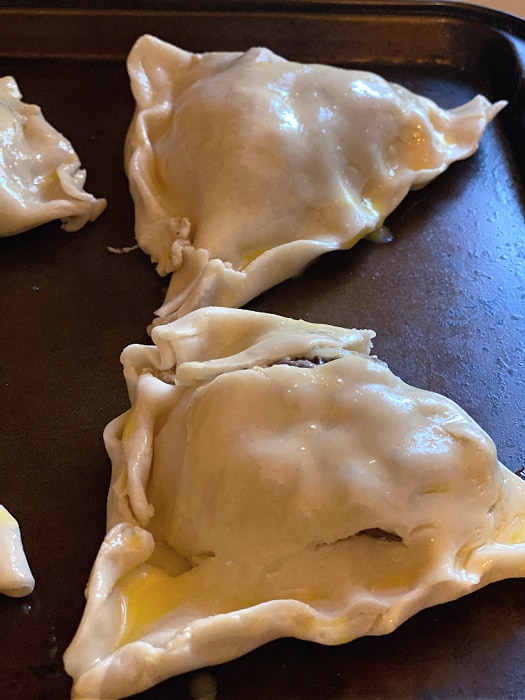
16, 579
245, 167
41, 176
321, 498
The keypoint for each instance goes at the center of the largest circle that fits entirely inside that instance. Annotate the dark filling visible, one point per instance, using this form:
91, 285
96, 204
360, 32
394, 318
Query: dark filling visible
302, 361
379, 534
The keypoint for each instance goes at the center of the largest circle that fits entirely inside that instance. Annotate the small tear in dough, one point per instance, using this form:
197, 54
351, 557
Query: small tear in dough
252, 499
245, 167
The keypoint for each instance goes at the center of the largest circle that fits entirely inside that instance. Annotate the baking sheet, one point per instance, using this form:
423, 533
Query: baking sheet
446, 298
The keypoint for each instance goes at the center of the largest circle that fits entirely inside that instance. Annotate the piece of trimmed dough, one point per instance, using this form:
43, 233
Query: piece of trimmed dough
252, 500
40, 173
245, 167
16, 579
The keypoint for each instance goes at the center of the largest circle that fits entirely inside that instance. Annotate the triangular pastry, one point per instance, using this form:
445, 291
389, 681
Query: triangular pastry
245, 167
274, 479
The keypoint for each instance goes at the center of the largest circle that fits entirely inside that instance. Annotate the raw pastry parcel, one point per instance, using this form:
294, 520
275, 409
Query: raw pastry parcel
245, 167
272, 478
42, 179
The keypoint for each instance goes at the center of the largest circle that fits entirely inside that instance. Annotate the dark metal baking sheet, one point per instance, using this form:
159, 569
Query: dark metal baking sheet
446, 297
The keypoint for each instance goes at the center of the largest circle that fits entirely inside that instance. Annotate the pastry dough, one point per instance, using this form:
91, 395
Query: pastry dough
40, 172
245, 167
273, 479
16, 578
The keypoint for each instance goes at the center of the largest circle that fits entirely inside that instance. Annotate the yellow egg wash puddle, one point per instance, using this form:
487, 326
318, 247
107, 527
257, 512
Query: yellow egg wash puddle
129, 425
147, 594
516, 531
252, 256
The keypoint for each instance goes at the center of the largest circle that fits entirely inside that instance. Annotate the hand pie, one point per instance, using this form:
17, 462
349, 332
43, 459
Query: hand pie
273, 479
245, 167
40, 172
16, 578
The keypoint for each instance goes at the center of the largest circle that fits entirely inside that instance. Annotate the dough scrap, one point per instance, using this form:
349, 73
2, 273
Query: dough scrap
16, 579
41, 176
